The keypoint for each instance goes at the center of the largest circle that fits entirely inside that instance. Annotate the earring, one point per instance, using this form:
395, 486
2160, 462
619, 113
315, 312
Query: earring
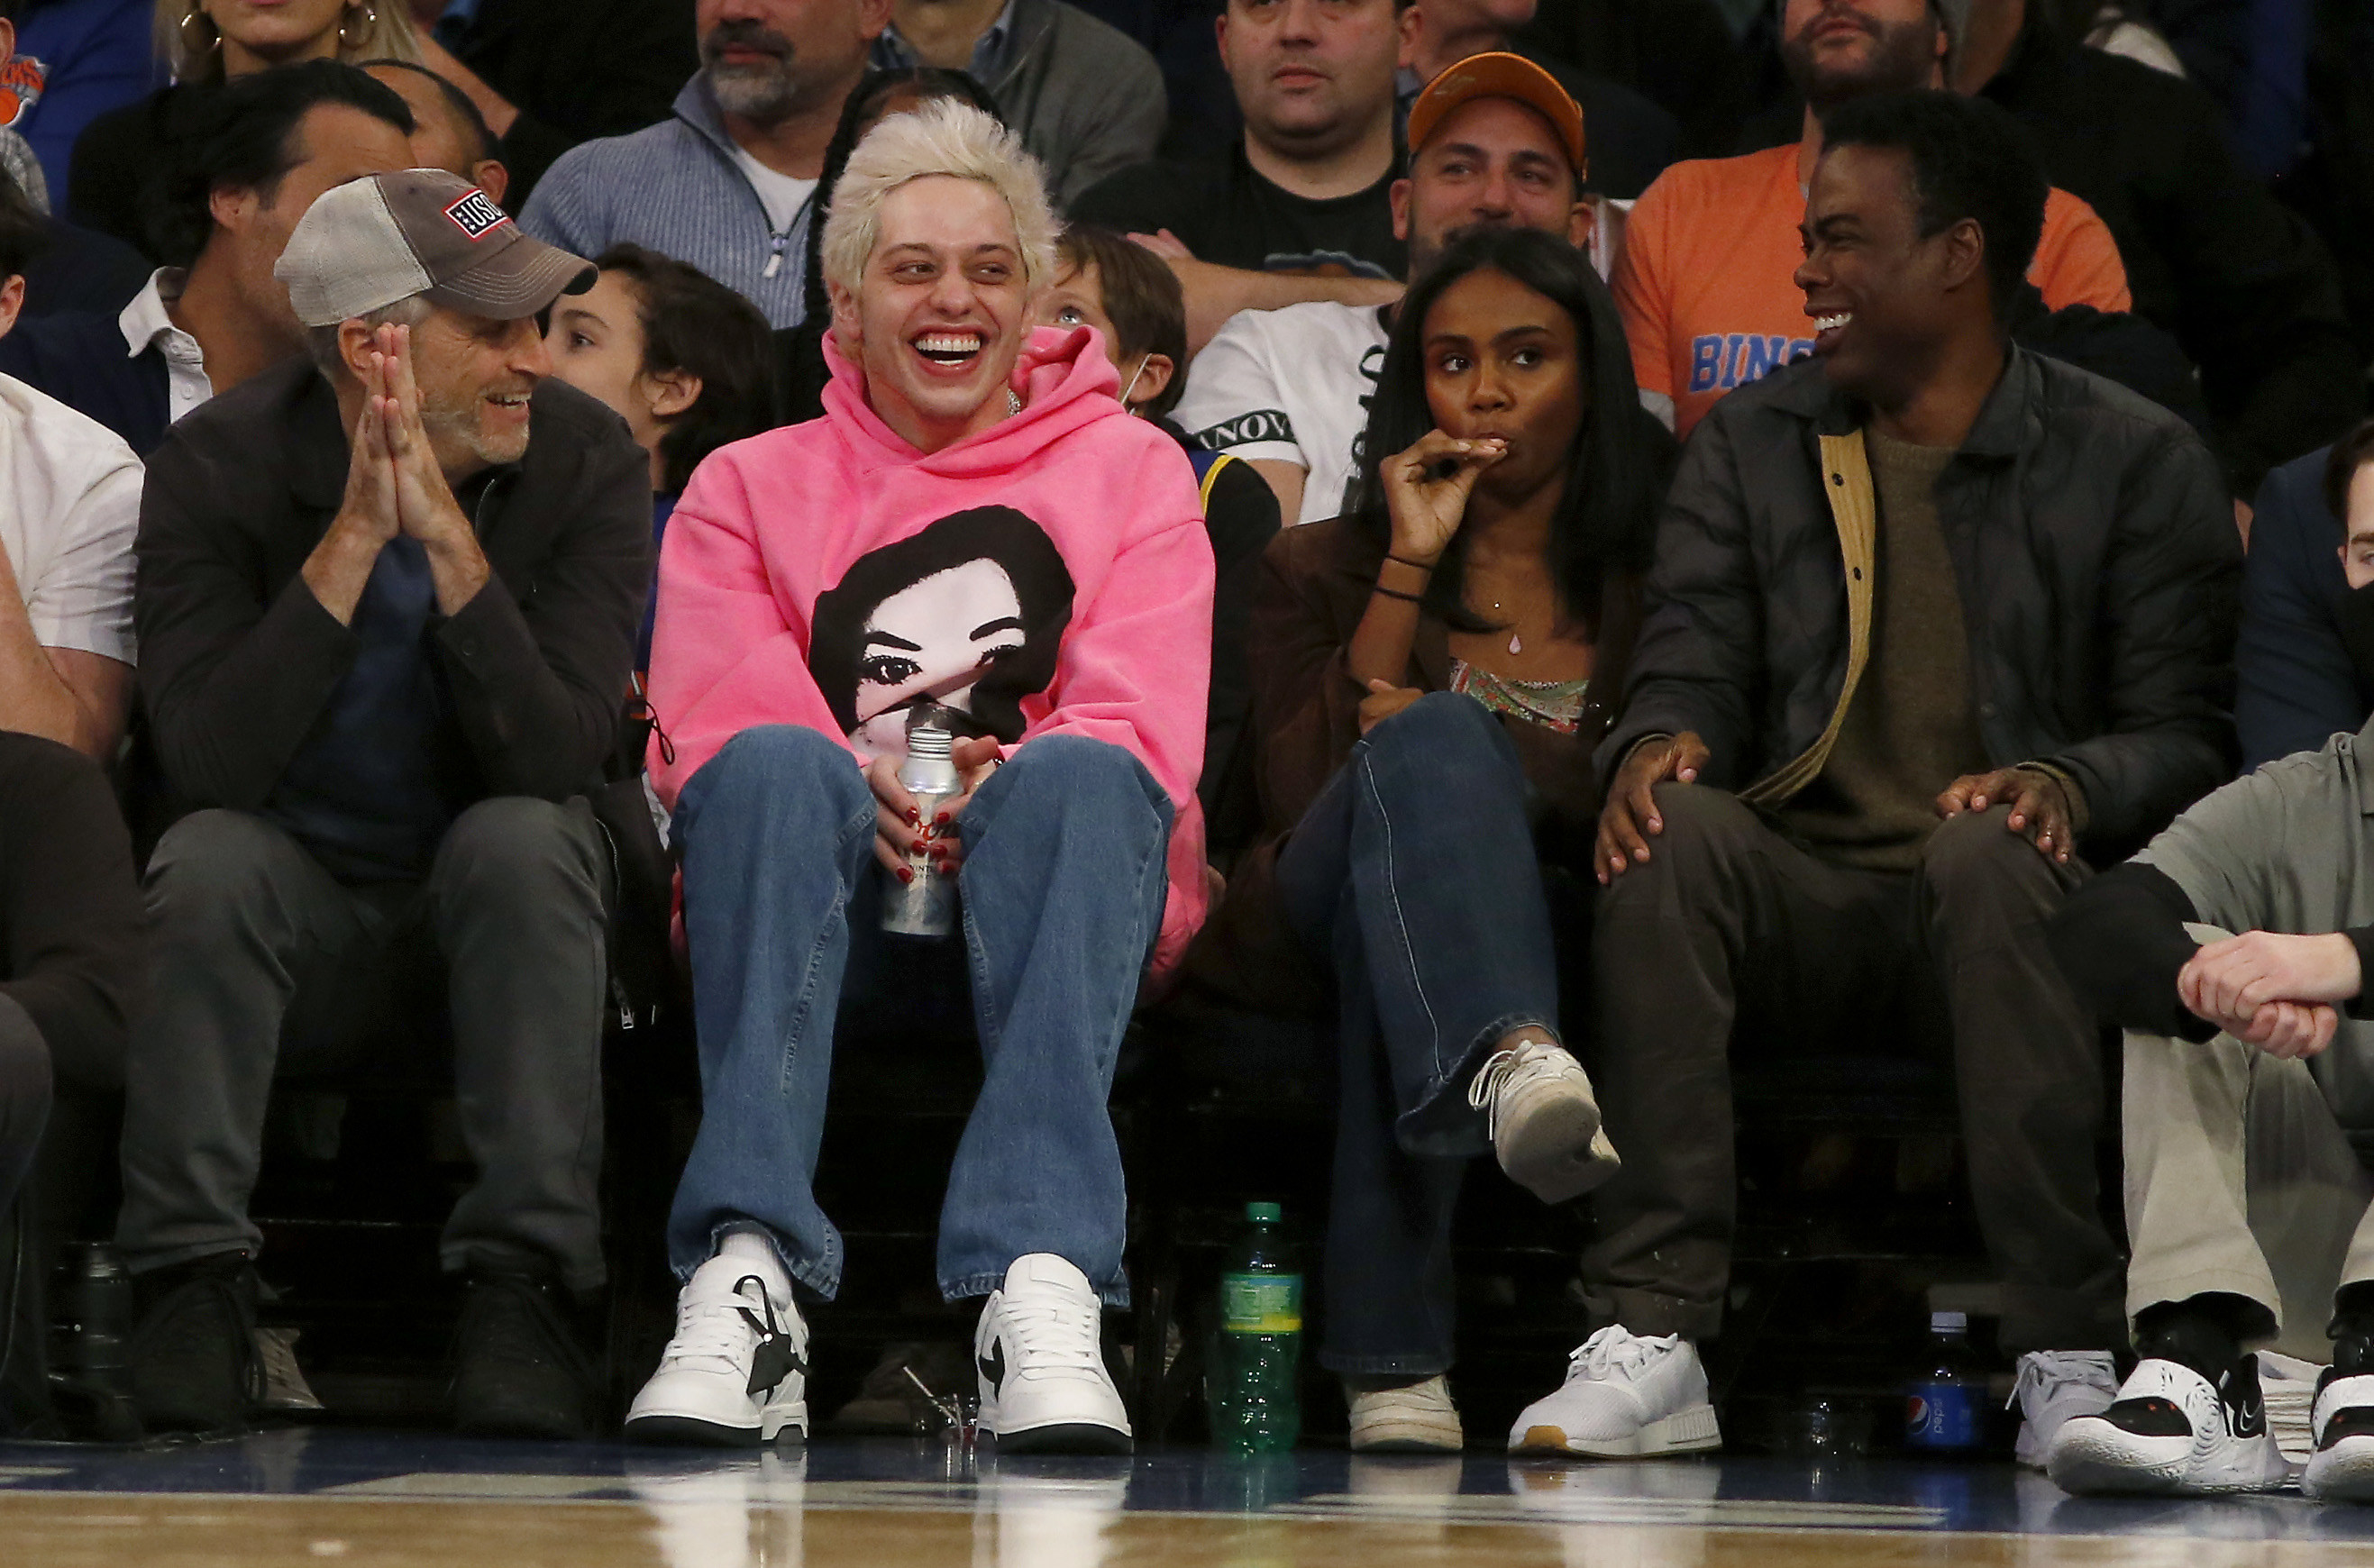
198, 51
351, 45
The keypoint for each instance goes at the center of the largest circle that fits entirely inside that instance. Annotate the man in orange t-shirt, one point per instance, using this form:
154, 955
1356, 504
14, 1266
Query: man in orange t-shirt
1706, 280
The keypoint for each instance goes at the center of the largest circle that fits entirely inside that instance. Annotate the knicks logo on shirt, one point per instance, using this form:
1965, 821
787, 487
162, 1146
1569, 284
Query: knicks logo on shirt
22, 81
1719, 361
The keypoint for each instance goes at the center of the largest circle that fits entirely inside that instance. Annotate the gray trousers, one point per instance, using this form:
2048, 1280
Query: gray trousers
263, 965
2240, 1180
1732, 923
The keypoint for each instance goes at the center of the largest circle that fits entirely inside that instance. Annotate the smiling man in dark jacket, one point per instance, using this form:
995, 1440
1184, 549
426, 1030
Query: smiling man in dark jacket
1932, 621
387, 604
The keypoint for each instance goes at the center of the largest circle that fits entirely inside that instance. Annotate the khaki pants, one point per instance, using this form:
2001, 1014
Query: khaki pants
2239, 1180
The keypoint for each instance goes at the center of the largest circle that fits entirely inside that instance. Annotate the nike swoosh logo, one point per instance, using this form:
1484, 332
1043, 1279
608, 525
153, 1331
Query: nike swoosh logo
992, 1366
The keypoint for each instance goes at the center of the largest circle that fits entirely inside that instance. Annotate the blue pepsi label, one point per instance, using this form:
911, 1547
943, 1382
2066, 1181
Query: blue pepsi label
1942, 1415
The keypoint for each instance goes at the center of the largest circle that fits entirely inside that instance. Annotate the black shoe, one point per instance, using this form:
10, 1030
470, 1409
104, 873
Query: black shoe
520, 1371
193, 1362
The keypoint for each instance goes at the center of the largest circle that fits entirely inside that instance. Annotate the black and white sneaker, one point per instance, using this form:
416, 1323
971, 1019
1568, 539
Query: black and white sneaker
2172, 1432
737, 1373
2342, 1469
1040, 1351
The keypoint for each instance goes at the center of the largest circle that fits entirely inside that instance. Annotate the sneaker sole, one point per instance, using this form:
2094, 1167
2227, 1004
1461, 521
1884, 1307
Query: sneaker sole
2085, 1464
677, 1430
1418, 1441
1693, 1431
1065, 1437
2342, 1474
1547, 1151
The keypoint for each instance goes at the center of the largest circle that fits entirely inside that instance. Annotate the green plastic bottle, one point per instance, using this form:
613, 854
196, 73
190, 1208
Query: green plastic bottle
1257, 1356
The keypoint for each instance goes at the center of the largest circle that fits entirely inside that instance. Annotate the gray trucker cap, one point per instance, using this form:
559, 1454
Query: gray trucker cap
371, 242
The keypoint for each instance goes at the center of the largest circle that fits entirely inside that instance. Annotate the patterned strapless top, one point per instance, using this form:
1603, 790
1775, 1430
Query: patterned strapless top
1553, 704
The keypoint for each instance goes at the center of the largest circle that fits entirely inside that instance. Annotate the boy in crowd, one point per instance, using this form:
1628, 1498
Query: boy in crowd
1136, 304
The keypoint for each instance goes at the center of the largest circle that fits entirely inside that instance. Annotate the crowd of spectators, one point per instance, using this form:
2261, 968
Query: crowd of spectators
1563, 544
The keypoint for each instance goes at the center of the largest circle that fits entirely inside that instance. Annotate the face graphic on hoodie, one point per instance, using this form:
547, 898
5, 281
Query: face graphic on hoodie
968, 613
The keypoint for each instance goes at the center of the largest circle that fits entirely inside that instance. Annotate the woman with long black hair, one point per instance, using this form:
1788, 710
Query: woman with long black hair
1431, 672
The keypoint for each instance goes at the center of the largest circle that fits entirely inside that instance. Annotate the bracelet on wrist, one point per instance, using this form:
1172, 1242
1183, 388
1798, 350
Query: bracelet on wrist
1427, 566
1397, 593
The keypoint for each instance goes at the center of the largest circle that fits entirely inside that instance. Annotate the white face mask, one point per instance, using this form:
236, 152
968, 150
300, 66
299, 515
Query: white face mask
1133, 375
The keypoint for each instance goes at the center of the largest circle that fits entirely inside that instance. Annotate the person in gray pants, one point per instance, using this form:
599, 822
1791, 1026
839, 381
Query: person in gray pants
387, 602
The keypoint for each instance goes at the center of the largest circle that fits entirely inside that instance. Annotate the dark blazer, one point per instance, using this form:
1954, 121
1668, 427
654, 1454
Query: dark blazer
2298, 685
238, 659
1313, 589
2098, 566
80, 359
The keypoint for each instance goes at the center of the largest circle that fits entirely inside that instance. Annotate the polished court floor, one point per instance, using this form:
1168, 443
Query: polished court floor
353, 1498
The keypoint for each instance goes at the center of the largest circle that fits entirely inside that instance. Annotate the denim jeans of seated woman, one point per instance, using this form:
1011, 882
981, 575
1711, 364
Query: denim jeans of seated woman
1063, 892
1415, 874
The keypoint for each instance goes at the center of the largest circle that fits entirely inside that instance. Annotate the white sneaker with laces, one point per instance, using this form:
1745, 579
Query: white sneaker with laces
1040, 1351
1408, 1418
2172, 1432
2055, 1388
2342, 1469
1624, 1397
737, 1373
1543, 1120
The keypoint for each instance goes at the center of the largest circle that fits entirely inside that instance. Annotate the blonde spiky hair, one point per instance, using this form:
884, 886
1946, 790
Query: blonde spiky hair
946, 137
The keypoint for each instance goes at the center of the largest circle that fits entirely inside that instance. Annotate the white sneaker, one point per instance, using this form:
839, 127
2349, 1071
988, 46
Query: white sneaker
2342, 1469
1412, 1418
2172, 1432
1624, 1397
2054, 1389
1044, 1388
1543, 1120
737, 1373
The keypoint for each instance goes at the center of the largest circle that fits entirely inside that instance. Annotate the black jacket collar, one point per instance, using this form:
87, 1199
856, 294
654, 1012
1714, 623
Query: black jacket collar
2007, 423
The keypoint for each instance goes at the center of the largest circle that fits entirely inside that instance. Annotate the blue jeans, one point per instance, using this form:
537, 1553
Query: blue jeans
1062, 891
1414, 873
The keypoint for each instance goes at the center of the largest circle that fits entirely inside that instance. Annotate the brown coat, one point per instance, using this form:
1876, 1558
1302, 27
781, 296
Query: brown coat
1313, 589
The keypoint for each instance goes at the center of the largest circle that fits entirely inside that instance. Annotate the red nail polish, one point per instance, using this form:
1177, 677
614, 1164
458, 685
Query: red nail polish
906, 874
913, 817
942, 820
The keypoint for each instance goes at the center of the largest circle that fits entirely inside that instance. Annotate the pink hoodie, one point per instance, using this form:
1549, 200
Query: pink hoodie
781, 600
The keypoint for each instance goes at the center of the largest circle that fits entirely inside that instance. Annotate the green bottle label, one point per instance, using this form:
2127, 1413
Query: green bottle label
1261, 1304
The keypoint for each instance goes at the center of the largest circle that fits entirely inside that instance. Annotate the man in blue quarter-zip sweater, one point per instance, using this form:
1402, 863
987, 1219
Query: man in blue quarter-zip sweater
728, 184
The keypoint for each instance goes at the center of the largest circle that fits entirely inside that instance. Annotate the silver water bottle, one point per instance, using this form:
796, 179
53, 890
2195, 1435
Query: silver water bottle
925, 904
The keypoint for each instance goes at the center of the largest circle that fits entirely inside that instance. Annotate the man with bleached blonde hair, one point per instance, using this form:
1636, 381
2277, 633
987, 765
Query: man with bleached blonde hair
977, 538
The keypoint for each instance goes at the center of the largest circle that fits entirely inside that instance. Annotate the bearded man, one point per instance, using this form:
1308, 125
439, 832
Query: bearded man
387, 601
728, 183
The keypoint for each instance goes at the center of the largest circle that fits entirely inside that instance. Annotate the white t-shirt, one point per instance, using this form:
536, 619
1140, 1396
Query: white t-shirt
1292, 385
781, 195
69, 508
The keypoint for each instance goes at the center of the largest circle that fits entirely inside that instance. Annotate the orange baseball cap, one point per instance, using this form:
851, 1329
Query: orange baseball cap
1500, 76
